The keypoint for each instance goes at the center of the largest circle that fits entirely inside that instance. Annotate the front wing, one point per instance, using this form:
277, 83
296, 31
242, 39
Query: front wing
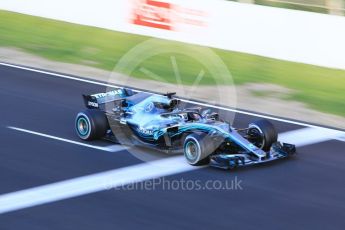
231, 161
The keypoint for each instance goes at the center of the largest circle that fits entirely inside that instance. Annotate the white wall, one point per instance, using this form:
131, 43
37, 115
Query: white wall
272, 32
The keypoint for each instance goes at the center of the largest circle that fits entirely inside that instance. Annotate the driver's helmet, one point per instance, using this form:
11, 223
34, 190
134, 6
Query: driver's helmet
195, 116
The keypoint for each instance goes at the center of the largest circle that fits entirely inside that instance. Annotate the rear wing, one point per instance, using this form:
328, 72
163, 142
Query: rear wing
95, 100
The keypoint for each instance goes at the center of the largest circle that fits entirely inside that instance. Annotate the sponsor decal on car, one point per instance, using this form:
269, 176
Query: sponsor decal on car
110, 93
92, 104
145, 131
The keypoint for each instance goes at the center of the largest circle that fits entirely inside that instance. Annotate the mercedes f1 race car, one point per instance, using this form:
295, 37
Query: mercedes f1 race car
158, 121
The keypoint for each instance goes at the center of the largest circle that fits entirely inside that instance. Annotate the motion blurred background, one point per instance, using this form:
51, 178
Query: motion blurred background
335, 7
286, 58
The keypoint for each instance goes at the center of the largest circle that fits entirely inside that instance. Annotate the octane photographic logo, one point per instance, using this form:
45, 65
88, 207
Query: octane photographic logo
182, 184
159, 66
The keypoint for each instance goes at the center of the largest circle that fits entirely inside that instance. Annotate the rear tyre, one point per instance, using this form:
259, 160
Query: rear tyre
262, 134
197, 148
91, 124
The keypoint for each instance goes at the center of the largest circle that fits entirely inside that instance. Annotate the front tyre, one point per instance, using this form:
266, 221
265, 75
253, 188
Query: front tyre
197, 149
91, 124
262, 134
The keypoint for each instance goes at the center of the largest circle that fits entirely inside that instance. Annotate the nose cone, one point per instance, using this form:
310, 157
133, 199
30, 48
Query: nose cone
222, 125
259, 152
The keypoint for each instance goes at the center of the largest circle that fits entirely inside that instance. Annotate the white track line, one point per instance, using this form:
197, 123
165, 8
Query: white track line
341, 138
111, 148
308, 136
193, 102
92, 183
127, 175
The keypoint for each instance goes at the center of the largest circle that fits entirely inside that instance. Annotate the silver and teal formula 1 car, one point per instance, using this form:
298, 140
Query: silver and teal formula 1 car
159, 122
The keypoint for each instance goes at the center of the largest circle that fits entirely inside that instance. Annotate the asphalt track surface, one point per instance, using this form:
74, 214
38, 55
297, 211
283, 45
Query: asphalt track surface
304, 192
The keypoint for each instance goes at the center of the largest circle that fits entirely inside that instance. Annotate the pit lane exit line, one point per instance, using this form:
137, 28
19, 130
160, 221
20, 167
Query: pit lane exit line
119, 177
110, 148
